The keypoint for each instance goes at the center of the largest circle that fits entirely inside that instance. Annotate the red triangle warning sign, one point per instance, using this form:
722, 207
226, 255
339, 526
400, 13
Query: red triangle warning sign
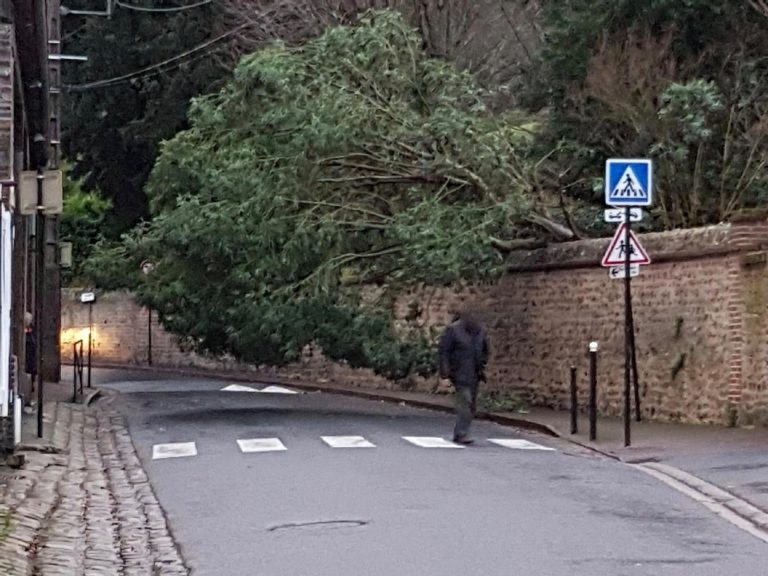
617, 250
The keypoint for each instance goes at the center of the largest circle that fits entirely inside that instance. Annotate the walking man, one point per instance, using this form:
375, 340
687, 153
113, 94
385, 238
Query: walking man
463, 356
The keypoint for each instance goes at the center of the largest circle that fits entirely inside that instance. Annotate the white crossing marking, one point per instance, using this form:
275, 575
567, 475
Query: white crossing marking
430, 442
261, 445
174, 450
517, 444
278, 390
238, 388
347, 442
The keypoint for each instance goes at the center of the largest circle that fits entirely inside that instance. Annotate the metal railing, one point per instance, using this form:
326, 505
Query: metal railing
78, 362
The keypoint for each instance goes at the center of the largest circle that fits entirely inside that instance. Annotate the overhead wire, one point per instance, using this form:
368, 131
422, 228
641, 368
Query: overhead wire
157, 67
150, 73
128, 6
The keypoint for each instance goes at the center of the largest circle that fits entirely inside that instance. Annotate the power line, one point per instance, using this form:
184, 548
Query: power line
166, 10
153, 67
149, 74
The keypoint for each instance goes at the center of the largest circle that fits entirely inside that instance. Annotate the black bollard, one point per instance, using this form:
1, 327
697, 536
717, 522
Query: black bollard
574, 403
593, 347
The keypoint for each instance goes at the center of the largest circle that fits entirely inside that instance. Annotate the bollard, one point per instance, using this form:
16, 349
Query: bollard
593, 347
574, 403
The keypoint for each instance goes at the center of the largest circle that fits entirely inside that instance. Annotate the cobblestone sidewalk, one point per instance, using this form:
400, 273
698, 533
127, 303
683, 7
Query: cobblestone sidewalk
86, 510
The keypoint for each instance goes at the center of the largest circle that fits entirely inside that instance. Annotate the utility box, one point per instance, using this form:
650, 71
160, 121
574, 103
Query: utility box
53, 192
65, 254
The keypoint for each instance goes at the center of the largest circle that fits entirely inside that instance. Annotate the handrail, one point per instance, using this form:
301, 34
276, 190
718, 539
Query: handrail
77, 366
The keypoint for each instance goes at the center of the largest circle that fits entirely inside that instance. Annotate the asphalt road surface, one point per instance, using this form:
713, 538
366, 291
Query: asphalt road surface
283, 502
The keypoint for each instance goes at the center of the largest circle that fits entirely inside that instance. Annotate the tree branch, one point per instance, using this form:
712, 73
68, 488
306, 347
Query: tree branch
506, 246
551, 226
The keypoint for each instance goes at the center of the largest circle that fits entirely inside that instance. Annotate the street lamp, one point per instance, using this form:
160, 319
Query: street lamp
146, 268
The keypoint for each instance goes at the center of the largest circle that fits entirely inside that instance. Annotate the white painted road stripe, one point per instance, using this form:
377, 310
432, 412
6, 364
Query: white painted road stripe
174, 450
238, 388
517, 444
277, 390
261, 445
347, 442
430, 442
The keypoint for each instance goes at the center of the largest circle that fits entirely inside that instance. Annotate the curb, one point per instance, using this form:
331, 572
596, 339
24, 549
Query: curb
730, 507
382, 396
728, 499
94, 394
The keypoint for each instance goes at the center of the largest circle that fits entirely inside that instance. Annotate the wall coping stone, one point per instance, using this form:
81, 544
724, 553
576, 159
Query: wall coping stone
675, 245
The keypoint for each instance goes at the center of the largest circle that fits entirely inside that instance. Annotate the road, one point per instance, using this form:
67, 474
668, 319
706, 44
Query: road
397, 508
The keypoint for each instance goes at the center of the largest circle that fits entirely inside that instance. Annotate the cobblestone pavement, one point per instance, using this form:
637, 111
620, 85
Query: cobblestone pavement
87, 509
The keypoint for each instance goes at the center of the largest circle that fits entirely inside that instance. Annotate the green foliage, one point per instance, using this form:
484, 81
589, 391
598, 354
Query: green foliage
683, 82
6, 523
353, 160
501, 401
690, 109
114, 131
82, 222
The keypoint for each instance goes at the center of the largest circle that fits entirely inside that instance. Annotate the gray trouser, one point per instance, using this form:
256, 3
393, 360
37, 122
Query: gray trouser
466, 399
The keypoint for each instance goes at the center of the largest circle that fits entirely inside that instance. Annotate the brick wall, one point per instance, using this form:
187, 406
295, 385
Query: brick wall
701, 314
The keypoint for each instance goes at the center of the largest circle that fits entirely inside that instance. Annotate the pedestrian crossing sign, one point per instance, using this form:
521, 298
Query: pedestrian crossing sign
628, 182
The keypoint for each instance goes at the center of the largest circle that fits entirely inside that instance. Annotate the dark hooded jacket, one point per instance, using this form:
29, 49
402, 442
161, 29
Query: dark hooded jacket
464, 352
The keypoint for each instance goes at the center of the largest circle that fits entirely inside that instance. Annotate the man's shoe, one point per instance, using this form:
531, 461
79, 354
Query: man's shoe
463, 441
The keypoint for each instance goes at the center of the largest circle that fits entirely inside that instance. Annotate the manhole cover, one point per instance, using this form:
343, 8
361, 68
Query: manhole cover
319, 525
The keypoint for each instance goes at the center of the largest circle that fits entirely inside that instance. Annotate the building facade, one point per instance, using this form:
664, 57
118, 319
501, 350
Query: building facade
29, 29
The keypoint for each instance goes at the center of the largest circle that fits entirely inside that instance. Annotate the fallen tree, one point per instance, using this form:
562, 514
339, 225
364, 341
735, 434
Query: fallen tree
321, 171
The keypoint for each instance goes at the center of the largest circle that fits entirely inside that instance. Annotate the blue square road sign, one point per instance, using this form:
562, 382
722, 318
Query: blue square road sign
628, 182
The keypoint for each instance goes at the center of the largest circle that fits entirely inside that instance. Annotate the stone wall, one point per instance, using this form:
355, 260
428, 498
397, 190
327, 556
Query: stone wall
121, 336
701, 314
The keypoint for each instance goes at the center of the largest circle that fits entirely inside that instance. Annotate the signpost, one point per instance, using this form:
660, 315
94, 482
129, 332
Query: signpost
628, 186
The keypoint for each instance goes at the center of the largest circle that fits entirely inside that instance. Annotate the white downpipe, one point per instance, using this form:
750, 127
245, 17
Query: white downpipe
6, 251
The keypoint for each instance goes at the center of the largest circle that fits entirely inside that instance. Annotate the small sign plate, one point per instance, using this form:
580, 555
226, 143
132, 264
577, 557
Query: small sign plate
617, 272
618, 215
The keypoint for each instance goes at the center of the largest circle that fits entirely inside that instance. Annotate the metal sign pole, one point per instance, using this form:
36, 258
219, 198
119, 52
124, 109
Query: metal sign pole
90, 339
593, 347
39, 304
149, 336
635, 376
628, 186
627, 327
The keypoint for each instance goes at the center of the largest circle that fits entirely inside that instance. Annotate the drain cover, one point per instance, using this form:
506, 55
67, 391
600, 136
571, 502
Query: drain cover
319, 525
